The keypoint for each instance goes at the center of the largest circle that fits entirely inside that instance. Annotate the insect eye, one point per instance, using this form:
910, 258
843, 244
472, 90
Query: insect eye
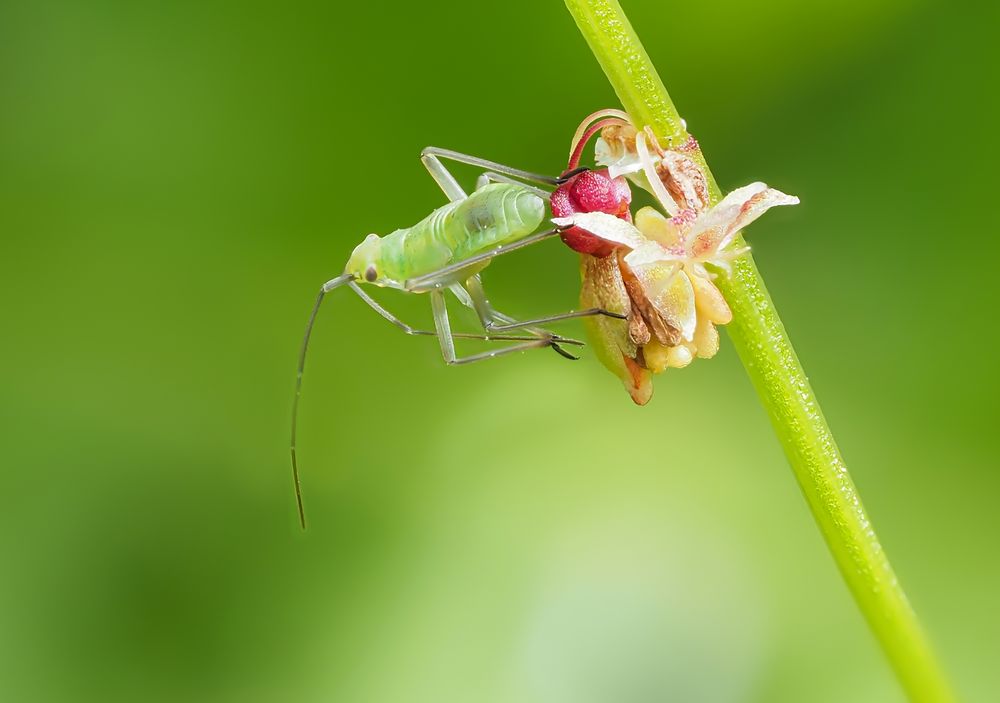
371, 274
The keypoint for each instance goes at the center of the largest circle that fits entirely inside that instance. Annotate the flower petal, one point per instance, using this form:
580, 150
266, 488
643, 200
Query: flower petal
649, 254
654, 322
709, 301
605, 226
655, 356
706, 339
656, 226
680, 356
670, 291
649, 168
618, 161
716, 228
616, 149
638, 328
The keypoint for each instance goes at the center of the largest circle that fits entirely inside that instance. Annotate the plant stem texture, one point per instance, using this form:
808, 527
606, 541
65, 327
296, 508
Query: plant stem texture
766, 351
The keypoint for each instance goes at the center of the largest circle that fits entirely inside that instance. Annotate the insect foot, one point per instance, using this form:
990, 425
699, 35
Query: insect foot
554, 343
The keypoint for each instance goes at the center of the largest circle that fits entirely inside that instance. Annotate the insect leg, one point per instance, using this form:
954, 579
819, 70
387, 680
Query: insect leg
377, 307
443, 327
491, 177
490, 165
513, 324
490, 316
442, 176
440, 278
444, 277
465, 299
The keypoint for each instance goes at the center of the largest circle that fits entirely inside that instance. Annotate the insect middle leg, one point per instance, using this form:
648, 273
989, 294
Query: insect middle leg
492, 319
446, 338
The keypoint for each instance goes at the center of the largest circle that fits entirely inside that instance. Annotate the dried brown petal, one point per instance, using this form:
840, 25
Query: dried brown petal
638, 330
661, 329
684, 180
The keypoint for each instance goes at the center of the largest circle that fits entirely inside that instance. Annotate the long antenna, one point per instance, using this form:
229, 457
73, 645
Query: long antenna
327, 287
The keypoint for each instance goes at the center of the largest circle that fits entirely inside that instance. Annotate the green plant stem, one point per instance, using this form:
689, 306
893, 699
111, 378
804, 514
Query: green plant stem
767, 353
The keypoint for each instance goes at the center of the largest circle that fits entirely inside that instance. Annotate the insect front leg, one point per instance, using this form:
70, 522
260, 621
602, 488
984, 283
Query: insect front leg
443, 327
444, 277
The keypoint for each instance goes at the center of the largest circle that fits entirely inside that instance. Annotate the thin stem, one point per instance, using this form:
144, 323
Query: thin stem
767, 353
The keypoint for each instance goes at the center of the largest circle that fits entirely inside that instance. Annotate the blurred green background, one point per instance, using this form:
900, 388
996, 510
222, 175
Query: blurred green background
177, 179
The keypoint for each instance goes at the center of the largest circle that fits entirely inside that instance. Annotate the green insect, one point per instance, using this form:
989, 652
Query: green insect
447, 250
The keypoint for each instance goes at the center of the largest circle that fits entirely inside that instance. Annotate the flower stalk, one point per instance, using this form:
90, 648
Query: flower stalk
764, 347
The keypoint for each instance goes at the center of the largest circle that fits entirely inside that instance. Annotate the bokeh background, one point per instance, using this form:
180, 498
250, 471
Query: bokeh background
177, 179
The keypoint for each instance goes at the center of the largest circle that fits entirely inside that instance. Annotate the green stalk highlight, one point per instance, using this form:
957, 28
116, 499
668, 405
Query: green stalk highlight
766, 351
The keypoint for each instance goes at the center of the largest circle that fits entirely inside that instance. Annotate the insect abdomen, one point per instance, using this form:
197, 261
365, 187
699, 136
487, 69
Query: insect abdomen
493, 215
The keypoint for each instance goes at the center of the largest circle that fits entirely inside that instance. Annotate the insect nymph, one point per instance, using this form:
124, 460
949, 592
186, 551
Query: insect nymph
446, 251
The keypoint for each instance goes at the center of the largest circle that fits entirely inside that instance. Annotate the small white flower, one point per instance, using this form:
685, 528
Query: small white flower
666, 265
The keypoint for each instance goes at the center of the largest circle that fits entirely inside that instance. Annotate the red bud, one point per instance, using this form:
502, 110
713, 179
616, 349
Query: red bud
591, 191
